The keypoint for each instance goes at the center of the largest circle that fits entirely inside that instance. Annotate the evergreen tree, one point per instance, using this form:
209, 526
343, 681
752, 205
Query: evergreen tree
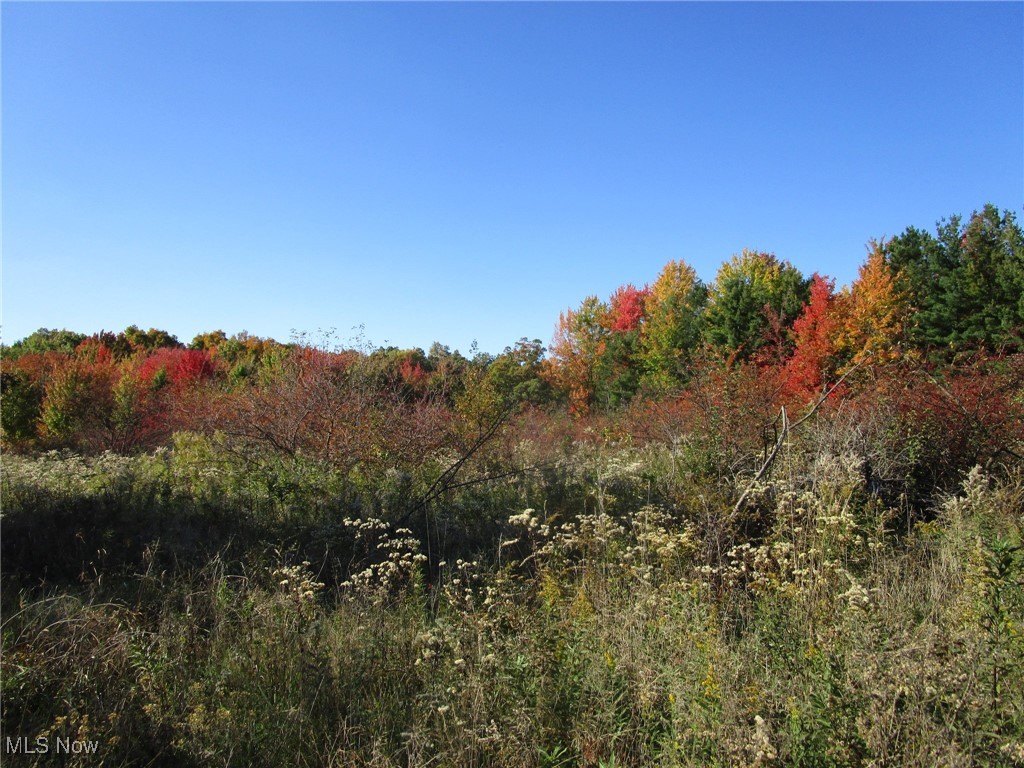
966, 283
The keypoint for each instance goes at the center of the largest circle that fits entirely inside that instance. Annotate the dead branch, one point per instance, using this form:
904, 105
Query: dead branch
784, 434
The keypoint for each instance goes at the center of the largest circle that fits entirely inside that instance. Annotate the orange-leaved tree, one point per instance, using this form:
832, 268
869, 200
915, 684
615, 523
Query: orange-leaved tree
874, 311
578, 344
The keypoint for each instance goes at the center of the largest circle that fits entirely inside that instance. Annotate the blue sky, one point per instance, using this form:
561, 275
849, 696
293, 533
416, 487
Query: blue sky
465, 171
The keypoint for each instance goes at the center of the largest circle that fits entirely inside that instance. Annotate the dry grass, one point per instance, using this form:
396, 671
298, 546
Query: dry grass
624, 613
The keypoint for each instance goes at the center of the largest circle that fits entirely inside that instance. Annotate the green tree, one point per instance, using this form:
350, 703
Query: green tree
45, 340
966, 283
989, 283
618, 369
753, 302
149, 340
515, 374
209, 341
925, 264
20, 402
672, 328
617, 372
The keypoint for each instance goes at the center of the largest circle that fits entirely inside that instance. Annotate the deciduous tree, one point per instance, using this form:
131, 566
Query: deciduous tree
874, 311
815, 358
754, 300
672, 326
577, 346
618, 370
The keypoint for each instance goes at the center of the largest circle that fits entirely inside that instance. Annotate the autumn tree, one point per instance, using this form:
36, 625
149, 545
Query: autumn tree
405, 371
671, 332
873, 311
334, 408
78, 403
754, 300
578, 344
448, 372
618, 370
176, 367
627, 308
209, 341
815, 358
23, 381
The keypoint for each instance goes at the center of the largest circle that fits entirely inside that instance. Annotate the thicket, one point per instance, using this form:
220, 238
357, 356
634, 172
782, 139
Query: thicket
791, 540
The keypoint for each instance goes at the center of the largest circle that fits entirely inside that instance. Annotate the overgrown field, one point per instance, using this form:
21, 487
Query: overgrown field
613, 592
760, 521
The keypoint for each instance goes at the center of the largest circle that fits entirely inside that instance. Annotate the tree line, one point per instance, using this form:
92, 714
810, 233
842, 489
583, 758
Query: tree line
931, 298
916, 295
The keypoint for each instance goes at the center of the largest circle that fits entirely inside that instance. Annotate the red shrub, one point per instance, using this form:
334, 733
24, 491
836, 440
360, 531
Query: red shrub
181, 366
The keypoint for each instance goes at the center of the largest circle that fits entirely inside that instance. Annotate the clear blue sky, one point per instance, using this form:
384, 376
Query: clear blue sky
464, 171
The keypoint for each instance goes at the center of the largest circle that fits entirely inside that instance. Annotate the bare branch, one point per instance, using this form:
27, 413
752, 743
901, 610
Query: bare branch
784, 434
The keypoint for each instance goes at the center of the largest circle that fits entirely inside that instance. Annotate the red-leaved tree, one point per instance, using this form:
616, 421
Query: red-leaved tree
627, 308
814, 360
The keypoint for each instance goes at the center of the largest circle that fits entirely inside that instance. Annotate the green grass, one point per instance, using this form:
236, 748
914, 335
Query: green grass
190, 607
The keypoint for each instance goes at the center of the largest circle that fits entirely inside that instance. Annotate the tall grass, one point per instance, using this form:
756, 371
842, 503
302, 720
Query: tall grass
196, 607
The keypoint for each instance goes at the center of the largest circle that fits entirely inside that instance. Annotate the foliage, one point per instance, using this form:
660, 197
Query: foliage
578, 344
627, 308
873, 312
754, 300
672, 330
150, 340
966, 281
77, 402
815, 358
658, 545
44, 340
516, 375
20, 403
